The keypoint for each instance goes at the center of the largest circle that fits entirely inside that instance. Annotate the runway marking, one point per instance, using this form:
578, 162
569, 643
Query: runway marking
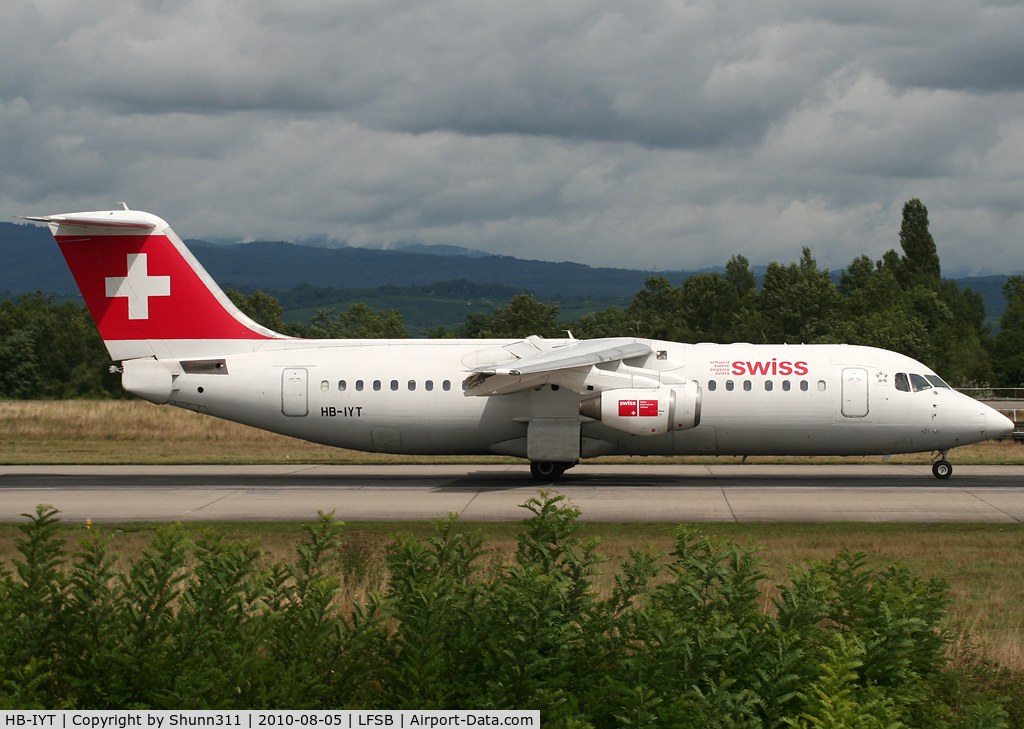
470, 502
725, 497
1011, 517
211, 503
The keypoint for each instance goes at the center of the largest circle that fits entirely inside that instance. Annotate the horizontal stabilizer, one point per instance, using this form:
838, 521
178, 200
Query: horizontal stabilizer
84, 222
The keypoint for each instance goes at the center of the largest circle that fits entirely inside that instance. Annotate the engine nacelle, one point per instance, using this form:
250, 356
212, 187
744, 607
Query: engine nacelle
647, 412
150, 379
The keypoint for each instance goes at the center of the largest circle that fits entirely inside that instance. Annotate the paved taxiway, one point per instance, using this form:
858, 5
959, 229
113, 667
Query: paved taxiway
728, 492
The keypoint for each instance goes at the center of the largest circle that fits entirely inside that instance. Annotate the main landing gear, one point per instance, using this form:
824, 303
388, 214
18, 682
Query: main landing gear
942, 468
548, 470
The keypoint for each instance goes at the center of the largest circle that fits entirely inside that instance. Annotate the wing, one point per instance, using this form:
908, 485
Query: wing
575, 364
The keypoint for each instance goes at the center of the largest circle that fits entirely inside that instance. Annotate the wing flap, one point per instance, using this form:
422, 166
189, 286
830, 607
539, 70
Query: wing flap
570, 365
583, 354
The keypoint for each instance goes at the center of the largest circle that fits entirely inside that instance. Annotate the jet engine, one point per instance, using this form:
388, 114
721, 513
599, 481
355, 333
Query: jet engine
647, 412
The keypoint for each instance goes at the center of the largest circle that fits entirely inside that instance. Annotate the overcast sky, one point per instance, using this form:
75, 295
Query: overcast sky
655, 135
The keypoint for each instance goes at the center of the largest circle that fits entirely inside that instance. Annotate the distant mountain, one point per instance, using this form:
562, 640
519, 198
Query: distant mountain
282, 265
32, 261
443, 250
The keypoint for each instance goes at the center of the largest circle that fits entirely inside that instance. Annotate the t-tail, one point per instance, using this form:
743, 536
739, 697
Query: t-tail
149, 295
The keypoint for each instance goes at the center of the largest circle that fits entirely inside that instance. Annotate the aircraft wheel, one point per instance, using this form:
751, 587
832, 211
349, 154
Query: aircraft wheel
942, 469
547, 470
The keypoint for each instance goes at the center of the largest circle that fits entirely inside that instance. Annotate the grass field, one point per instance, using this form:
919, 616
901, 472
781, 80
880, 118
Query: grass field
984, 563
135, 431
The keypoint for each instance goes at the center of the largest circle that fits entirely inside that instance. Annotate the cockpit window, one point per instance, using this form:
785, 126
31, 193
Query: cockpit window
902, 383
919, 383
937, 381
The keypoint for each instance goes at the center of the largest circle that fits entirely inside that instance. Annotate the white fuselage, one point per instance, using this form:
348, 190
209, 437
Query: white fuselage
182, 341
408, 397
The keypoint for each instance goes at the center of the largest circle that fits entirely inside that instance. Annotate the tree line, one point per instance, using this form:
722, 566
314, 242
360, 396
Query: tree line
900, 303
684, 639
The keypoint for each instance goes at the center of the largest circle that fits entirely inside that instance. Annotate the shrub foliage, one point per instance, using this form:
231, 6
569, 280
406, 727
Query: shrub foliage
684, 639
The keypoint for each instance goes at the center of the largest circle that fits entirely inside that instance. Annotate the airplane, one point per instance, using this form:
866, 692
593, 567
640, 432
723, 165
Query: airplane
182, 342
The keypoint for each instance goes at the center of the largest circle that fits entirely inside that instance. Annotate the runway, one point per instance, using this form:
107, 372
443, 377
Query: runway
605, 493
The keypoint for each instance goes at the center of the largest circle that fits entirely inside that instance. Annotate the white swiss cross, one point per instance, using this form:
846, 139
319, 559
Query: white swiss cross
138, 286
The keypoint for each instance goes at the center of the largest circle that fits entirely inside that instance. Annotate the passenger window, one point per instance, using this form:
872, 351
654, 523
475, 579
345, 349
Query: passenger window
428, 385
902, 383
821, 385
376, 385
937, 382
919, 383
394, 385
768, 385
785, 385
746, 385
342, 386
412, 385
359, 385
803, 385
446, 385
729, 385
712, 385
325, 385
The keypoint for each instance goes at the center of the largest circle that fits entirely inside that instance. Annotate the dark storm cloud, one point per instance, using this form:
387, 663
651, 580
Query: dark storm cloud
652, 76
977, 49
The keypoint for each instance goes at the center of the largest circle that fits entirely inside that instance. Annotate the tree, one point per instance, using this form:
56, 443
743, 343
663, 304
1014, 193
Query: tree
798, 302
260, 307
20, 375
876, 312
612, 322
359, 322
738, 273
710, 304
920, 261
1009, 345
857, 275
954, 318
960, 354
51, 350
524, 316
901, 304
658, 311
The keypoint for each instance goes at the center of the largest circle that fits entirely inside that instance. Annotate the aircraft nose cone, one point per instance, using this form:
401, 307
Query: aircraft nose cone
998, 425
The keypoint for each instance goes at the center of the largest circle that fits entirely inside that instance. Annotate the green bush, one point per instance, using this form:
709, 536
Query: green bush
681, 640
52, 351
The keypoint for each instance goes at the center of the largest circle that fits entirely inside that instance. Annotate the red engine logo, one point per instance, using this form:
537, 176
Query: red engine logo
641, 408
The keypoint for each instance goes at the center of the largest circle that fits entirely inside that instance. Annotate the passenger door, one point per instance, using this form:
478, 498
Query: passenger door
855, 392
294, 397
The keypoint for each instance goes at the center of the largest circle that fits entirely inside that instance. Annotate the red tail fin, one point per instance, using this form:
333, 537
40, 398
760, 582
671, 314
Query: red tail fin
149, 295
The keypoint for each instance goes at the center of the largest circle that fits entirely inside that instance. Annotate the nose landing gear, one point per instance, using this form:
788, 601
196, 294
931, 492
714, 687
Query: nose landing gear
942, 468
